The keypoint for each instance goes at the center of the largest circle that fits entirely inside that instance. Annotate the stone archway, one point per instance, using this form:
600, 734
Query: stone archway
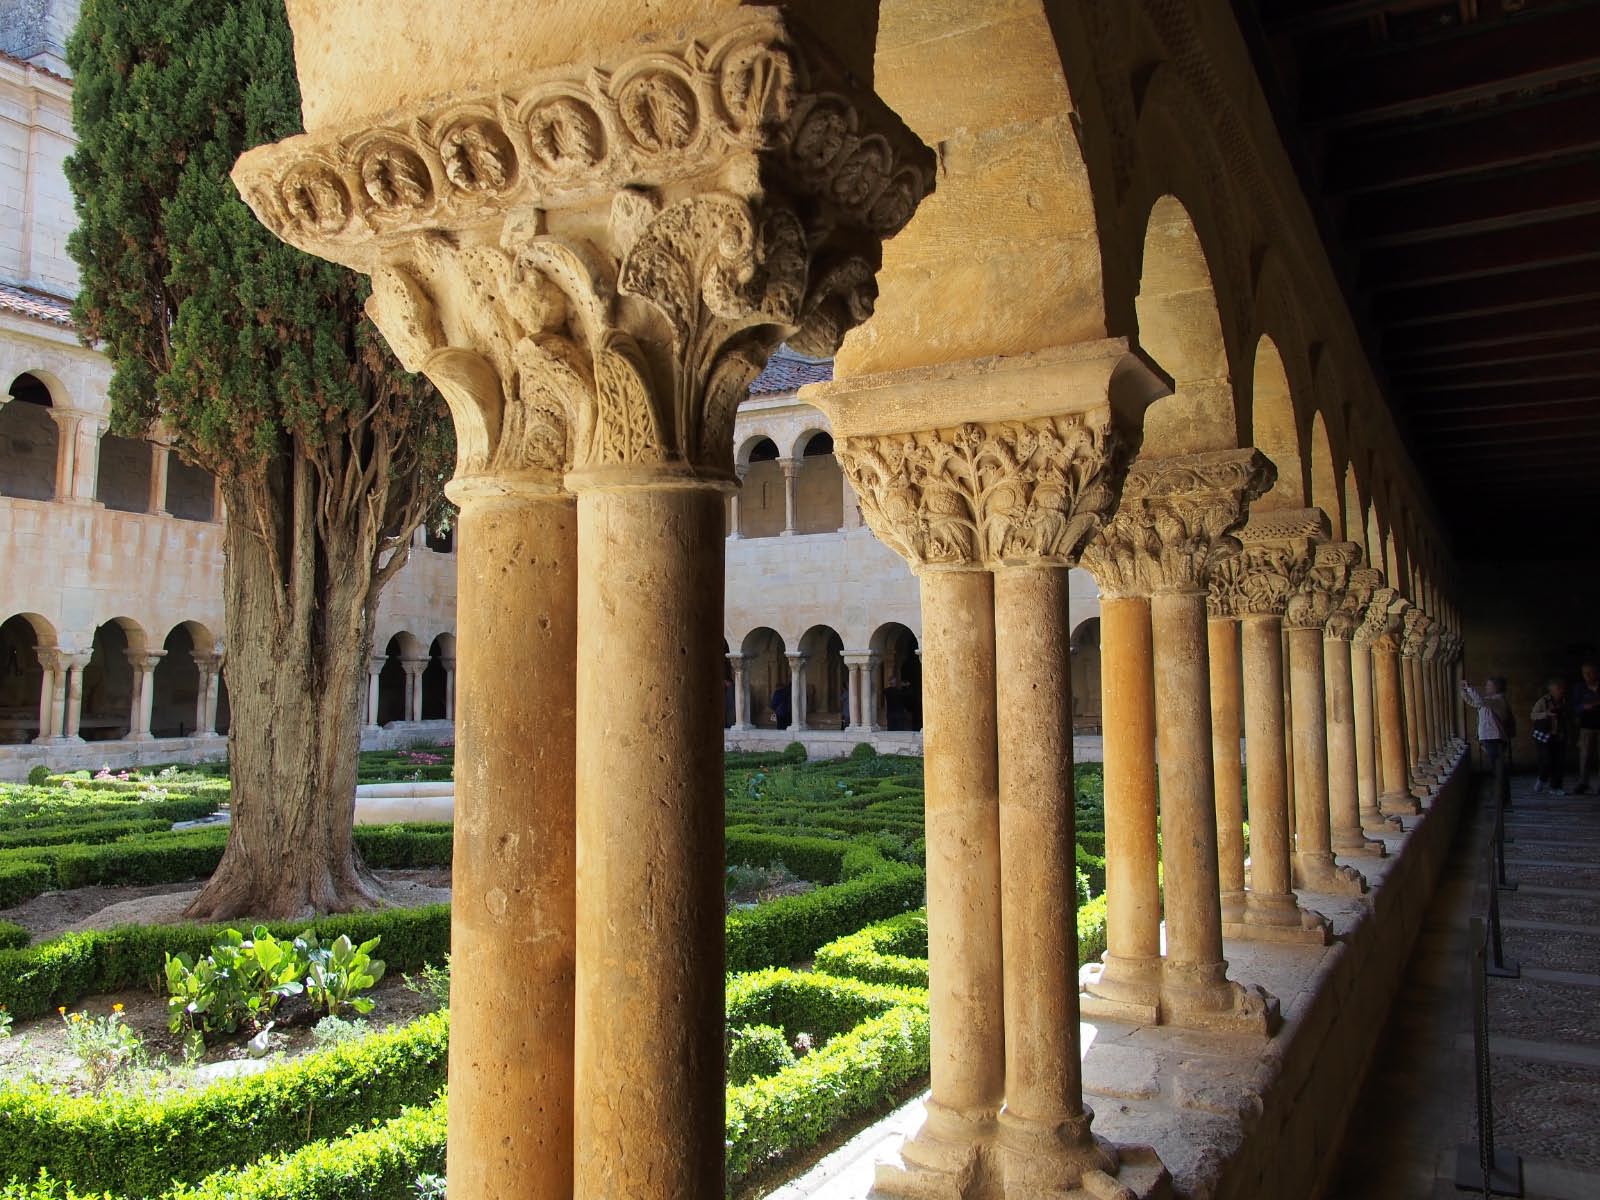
897, 678
1086, 677
111, 681
436, 679
818, 486
825, 679
766, 675
23, 678
761, 511
177, 686
29, 442
404, 660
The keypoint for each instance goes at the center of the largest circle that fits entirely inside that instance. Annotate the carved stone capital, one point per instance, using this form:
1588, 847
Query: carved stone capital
1377, 622
981, 495
50, 658
1415, 632
1278, 550
1346, 620
1175, 521
593, 262
1321, 593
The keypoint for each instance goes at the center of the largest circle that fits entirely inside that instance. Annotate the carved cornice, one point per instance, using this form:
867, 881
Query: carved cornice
1322, 590
1175, 521
983, 495
592, 264
1278, 550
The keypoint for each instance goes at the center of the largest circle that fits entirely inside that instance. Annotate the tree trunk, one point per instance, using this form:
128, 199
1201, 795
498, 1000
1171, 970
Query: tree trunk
299, 626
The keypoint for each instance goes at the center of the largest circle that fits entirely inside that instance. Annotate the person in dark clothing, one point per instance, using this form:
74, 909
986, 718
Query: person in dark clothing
1550, 736
782, 713
1586, 707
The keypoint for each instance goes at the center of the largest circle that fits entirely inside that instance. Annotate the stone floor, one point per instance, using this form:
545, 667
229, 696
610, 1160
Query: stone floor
1418, 1103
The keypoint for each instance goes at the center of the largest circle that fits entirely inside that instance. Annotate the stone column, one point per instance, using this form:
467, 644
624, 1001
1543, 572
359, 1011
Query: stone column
1222, 643
49, 705
1177, 514
735, 520
797, 691
72, 704
1278, 550
449, 688
741, 690
414, 667
1389, 709
1411, 700
66, 449
791, 471
860, 668
144, 692
214, 694
205, 707
1338, 633
375, 665
869, 693
1368, 786
86, 460
1307, 613
160, 458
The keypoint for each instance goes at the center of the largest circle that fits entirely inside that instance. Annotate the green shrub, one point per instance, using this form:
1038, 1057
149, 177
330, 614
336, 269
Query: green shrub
1094, 866
87, 833
893, 951
13, 936
38, 775
789, 929
794, 752
41, 978
1092, 930
822, 1006
22, 880
863, 751
756, 1050
138, 1143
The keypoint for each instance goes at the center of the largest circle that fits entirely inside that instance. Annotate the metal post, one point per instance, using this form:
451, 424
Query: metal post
1482, 1168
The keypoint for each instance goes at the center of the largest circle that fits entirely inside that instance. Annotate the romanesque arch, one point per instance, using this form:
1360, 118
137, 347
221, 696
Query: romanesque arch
818, 484
437, 679
22, 675
111, 680
826, 678
1086, 677
897, 677
1275, 429
176, 709
761, 511
405, 657
766, 674
29, 441
1325, 491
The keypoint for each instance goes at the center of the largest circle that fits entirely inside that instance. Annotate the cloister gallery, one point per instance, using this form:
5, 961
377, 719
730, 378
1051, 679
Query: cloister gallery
1114, 339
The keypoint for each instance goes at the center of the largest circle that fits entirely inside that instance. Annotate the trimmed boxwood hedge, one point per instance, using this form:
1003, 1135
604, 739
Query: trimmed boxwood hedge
21, 881
13, 936
138, 1144
893, 951
790, 929
39, 979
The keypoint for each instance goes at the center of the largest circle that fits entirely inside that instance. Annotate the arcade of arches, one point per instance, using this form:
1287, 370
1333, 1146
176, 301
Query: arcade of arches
1082, 314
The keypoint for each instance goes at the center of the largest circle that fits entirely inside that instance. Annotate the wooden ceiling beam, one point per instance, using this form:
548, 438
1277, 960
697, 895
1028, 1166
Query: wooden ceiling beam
1422, 151
1550, 351
1552, 243
1473, 62
1469, 206
1534, 288
1529, 326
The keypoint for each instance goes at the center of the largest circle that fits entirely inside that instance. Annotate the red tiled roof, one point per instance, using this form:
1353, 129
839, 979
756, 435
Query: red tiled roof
41, 306
787, 372
22, 62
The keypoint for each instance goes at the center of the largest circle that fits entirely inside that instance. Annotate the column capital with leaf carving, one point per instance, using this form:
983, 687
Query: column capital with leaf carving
1176, 521
1380, 627
1277, 551
1322, 593
592, 262
1022, 461
1416, 627
1347, 619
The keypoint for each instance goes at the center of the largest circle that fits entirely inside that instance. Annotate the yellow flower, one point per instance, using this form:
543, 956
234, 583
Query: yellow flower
117, 1007
62, 1010
77, 1017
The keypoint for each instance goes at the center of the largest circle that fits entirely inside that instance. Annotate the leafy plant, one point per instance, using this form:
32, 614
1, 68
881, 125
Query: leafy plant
431, 1187
432, 983
106, 1046
336, 974
755, 1051
336, 1031
39, 775
5, 1022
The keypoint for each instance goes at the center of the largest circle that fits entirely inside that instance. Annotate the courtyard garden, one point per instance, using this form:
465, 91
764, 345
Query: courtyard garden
146, 1056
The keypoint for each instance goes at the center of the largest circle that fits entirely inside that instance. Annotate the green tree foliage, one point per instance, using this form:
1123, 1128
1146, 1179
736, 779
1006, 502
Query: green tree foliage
260, 363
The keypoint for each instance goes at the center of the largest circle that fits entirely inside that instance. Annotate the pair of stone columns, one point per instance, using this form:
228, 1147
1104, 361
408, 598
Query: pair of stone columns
863, 686
60, 694
142, 701
592, 262
209, 667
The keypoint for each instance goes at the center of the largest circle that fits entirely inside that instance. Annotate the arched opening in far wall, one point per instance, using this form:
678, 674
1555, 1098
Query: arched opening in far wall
177, 686
29, 441
123, 482
897, 678
1085, 649
109, 681
436, 678
818, 487
21, 676
826, 678
766, 674
761, 494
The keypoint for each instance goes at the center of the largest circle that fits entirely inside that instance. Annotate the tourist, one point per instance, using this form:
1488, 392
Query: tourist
1495, 728
781, 712
1586, 704
1550, 736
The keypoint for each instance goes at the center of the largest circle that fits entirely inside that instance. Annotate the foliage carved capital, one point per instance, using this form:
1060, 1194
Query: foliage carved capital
592, 263
1175, 521
1322, 592
1414, 634
987, 494
1277, 552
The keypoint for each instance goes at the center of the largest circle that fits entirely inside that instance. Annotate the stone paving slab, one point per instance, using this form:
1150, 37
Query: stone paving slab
1553, 874
1536, 1010
1548, 1110
1562, 951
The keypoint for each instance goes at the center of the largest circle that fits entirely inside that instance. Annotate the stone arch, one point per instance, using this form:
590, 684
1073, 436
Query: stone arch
30, 441
109, 680
826, 679
1085, 649
818, 484
1274, 429
1180, 327
123, 481
1325, 492
177, 681
394, 684
766, 674
897, 677
761, 503
436, 678
1354, 516
22, 637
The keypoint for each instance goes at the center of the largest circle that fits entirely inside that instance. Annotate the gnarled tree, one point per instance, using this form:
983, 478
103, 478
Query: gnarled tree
260, 362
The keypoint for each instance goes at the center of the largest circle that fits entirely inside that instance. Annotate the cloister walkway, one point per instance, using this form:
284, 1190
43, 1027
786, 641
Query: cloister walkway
1417, 1105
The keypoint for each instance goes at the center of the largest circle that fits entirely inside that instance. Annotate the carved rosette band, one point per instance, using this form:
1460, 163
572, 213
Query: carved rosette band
1175, 522
977, 496
592, 265
1278, 552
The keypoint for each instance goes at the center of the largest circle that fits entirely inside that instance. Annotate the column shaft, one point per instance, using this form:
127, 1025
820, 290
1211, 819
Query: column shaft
47, 701
1313, 863
1413, 727
1131, 974
1389, 713
513, 925
741, 693
1222, 640
649, 1063
374, 672
73, 708
1344, 802
1366, 730
790, 470
797, 692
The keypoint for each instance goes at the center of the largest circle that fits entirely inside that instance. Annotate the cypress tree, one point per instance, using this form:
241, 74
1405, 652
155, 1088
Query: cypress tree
260, 363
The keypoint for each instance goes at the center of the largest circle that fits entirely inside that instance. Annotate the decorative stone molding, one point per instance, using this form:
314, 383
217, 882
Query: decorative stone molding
982, 495
1175, 521
1378, 624
593, 263
1347, 620
1322, 589
1278, 549
1415, 635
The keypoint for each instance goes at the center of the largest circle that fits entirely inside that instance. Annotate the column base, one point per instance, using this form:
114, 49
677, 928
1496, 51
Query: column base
1398, 804
1201, 996
1233, 905
1122, 989
1350, 844
139, 737
1373, 821
1279, 919
1040, 1161
949, 1158
1319, 873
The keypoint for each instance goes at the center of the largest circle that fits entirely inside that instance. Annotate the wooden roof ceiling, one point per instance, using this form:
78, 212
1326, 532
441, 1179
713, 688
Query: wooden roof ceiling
1452, 152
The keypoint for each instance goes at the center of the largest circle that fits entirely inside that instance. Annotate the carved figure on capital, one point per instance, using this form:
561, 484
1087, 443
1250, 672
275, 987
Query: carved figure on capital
1378, 623
1175, 523
1415, 631
1278, 550
983, 494
1322, 591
